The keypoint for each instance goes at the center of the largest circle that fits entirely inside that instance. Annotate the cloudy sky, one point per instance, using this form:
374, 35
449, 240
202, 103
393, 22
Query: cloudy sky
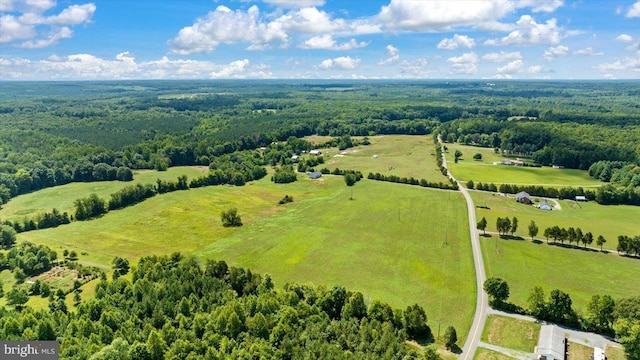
293, 39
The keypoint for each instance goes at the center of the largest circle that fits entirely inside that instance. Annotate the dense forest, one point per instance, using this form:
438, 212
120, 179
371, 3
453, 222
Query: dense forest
174, 308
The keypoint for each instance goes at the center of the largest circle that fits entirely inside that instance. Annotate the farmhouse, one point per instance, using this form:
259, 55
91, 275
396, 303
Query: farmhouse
315, 175
551, 343
581, 198
544, 205
523, 197
315, 152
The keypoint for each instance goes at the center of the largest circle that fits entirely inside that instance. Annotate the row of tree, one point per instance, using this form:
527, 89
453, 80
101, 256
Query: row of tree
413, 181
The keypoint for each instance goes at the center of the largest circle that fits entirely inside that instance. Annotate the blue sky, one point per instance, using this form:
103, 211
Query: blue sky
324, 39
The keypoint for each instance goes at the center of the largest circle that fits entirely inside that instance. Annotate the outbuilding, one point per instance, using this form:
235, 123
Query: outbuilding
315, 175
544, 205
581, 198
551, 343
523, 197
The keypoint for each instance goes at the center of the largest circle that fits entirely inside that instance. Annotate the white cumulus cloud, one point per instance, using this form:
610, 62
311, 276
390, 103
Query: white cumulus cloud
529, 32
555, 52
393, 55
588, 52
295, 3
465, 64
340, 63
457, 42
626, 63
327, 42
624, 38
502, 56
541, 5
634, 10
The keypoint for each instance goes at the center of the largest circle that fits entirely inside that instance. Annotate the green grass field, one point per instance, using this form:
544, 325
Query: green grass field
579, 351
388, 243
401, 155
606, 220
486, 354
614, 353
62, 197
484, 171
511, 333
581, 274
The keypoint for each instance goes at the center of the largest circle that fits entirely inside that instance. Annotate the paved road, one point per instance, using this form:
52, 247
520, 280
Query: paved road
482, 303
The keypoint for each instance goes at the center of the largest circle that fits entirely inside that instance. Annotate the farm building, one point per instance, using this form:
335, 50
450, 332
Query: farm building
598, 354
581, 198
315, 152
315, 175
523, 197
544, 205
551, 343
512, 162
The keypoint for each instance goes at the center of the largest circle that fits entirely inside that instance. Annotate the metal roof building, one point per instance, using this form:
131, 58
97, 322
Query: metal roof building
551, 343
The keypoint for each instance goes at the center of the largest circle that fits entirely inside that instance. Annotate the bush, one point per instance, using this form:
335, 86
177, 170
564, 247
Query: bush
230, 218
286, 199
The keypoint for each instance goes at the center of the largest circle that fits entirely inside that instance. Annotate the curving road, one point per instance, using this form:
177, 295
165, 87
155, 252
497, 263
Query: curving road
482, 303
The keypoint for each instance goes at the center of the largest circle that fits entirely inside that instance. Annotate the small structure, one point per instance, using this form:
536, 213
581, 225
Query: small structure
544, 205
581, 198
551, 343
557, 167
524, 198
315, 152
375, 156
295, 157
315, 175
598, 354
517, 162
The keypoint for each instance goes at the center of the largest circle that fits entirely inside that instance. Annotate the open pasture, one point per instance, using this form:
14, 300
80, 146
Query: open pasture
399, 243
606, 220
581, 274
401, 155
511, 333
62, 197
485, 171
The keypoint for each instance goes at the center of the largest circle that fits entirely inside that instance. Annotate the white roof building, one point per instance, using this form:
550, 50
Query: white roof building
598, 354
551, 343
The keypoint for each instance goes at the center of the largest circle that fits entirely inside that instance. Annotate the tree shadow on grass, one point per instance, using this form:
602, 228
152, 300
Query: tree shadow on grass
486, 235
537, 242
512, 237
456, 349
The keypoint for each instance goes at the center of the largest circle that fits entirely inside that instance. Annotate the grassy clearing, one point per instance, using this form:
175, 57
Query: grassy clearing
579, 351
608, 221
402, 155
8, 280
484, 170
511, 333
486, 354
388, 243
614, 353
62, 197
525, 265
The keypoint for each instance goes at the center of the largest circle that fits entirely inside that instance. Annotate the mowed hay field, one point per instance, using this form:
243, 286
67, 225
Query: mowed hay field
581, 274
606, 220
62, 197
484, 171
399, 243
401, 155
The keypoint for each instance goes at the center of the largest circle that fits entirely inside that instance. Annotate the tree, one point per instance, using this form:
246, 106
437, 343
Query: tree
450, 337
1, 289
514, 225
457, 156
537, 305
477, 157
601, 240
559, 307
350, 179
587, 239
120, 265
600, 313
7, 236
17, 297
533, 229
497, 289
470, 184
230, 217
482, 225
415, 320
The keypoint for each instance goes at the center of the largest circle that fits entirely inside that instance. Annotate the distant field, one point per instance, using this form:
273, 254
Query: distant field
581, 274
484, 171
511, 333
606, 220
62, 197
402, 155
388, 243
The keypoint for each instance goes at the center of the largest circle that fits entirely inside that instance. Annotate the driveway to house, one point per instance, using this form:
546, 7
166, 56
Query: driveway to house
482, 303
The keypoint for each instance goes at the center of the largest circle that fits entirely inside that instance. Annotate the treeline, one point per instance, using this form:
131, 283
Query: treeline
413, 181
173, 308
604, 315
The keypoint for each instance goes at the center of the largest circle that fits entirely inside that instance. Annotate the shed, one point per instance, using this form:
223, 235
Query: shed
523, 197
581, 198
315, 175
315, 152
598, 354
544, 205
551, 343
